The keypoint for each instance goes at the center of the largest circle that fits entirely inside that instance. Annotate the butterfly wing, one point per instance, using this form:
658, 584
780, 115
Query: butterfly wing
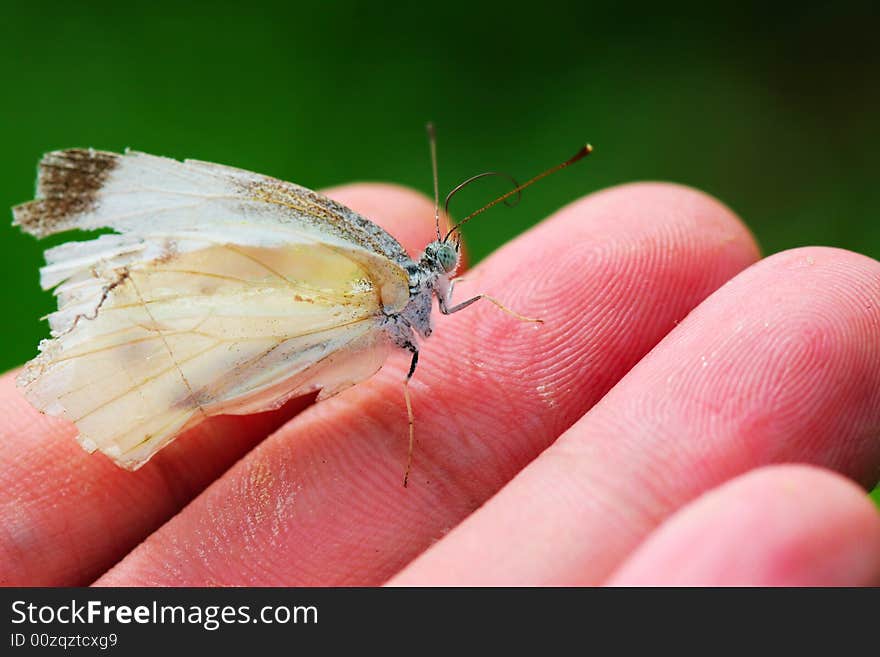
222, 292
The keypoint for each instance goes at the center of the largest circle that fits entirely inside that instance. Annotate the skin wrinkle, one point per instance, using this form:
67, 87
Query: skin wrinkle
423, 512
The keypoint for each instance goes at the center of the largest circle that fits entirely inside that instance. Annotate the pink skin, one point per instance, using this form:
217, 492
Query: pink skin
784, 525
791, 372
781, 364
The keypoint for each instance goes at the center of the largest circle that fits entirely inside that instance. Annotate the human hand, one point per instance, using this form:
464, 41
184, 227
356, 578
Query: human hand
780, 365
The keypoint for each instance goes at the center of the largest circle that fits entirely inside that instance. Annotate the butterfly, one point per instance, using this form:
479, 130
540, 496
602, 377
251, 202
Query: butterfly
219, 291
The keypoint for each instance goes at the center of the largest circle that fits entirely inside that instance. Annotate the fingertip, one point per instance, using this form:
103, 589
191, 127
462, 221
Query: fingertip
837, 270
657, 226
782, 525
658, 248
688, 209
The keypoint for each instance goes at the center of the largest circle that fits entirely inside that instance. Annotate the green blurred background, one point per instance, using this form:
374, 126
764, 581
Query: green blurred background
773, 108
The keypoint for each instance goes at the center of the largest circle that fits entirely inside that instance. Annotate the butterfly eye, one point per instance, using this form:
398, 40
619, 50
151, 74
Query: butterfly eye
447, 257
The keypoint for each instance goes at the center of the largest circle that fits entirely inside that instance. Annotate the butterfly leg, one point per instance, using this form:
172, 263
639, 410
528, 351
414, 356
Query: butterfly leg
410, 346
446, 309
401, 334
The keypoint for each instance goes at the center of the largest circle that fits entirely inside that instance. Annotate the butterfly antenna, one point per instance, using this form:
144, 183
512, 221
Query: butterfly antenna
432, 144
581, 154
467, 182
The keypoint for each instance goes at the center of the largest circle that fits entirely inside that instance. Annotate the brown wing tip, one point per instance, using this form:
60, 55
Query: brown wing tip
74, 172
68, 183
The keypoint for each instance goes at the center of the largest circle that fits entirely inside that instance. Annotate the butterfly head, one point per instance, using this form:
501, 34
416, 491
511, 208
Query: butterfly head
441, 256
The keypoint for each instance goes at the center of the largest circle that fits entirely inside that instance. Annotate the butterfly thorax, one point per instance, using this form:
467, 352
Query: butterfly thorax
427, 277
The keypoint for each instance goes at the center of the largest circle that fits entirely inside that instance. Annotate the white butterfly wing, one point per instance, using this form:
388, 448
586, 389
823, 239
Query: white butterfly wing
217, 296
